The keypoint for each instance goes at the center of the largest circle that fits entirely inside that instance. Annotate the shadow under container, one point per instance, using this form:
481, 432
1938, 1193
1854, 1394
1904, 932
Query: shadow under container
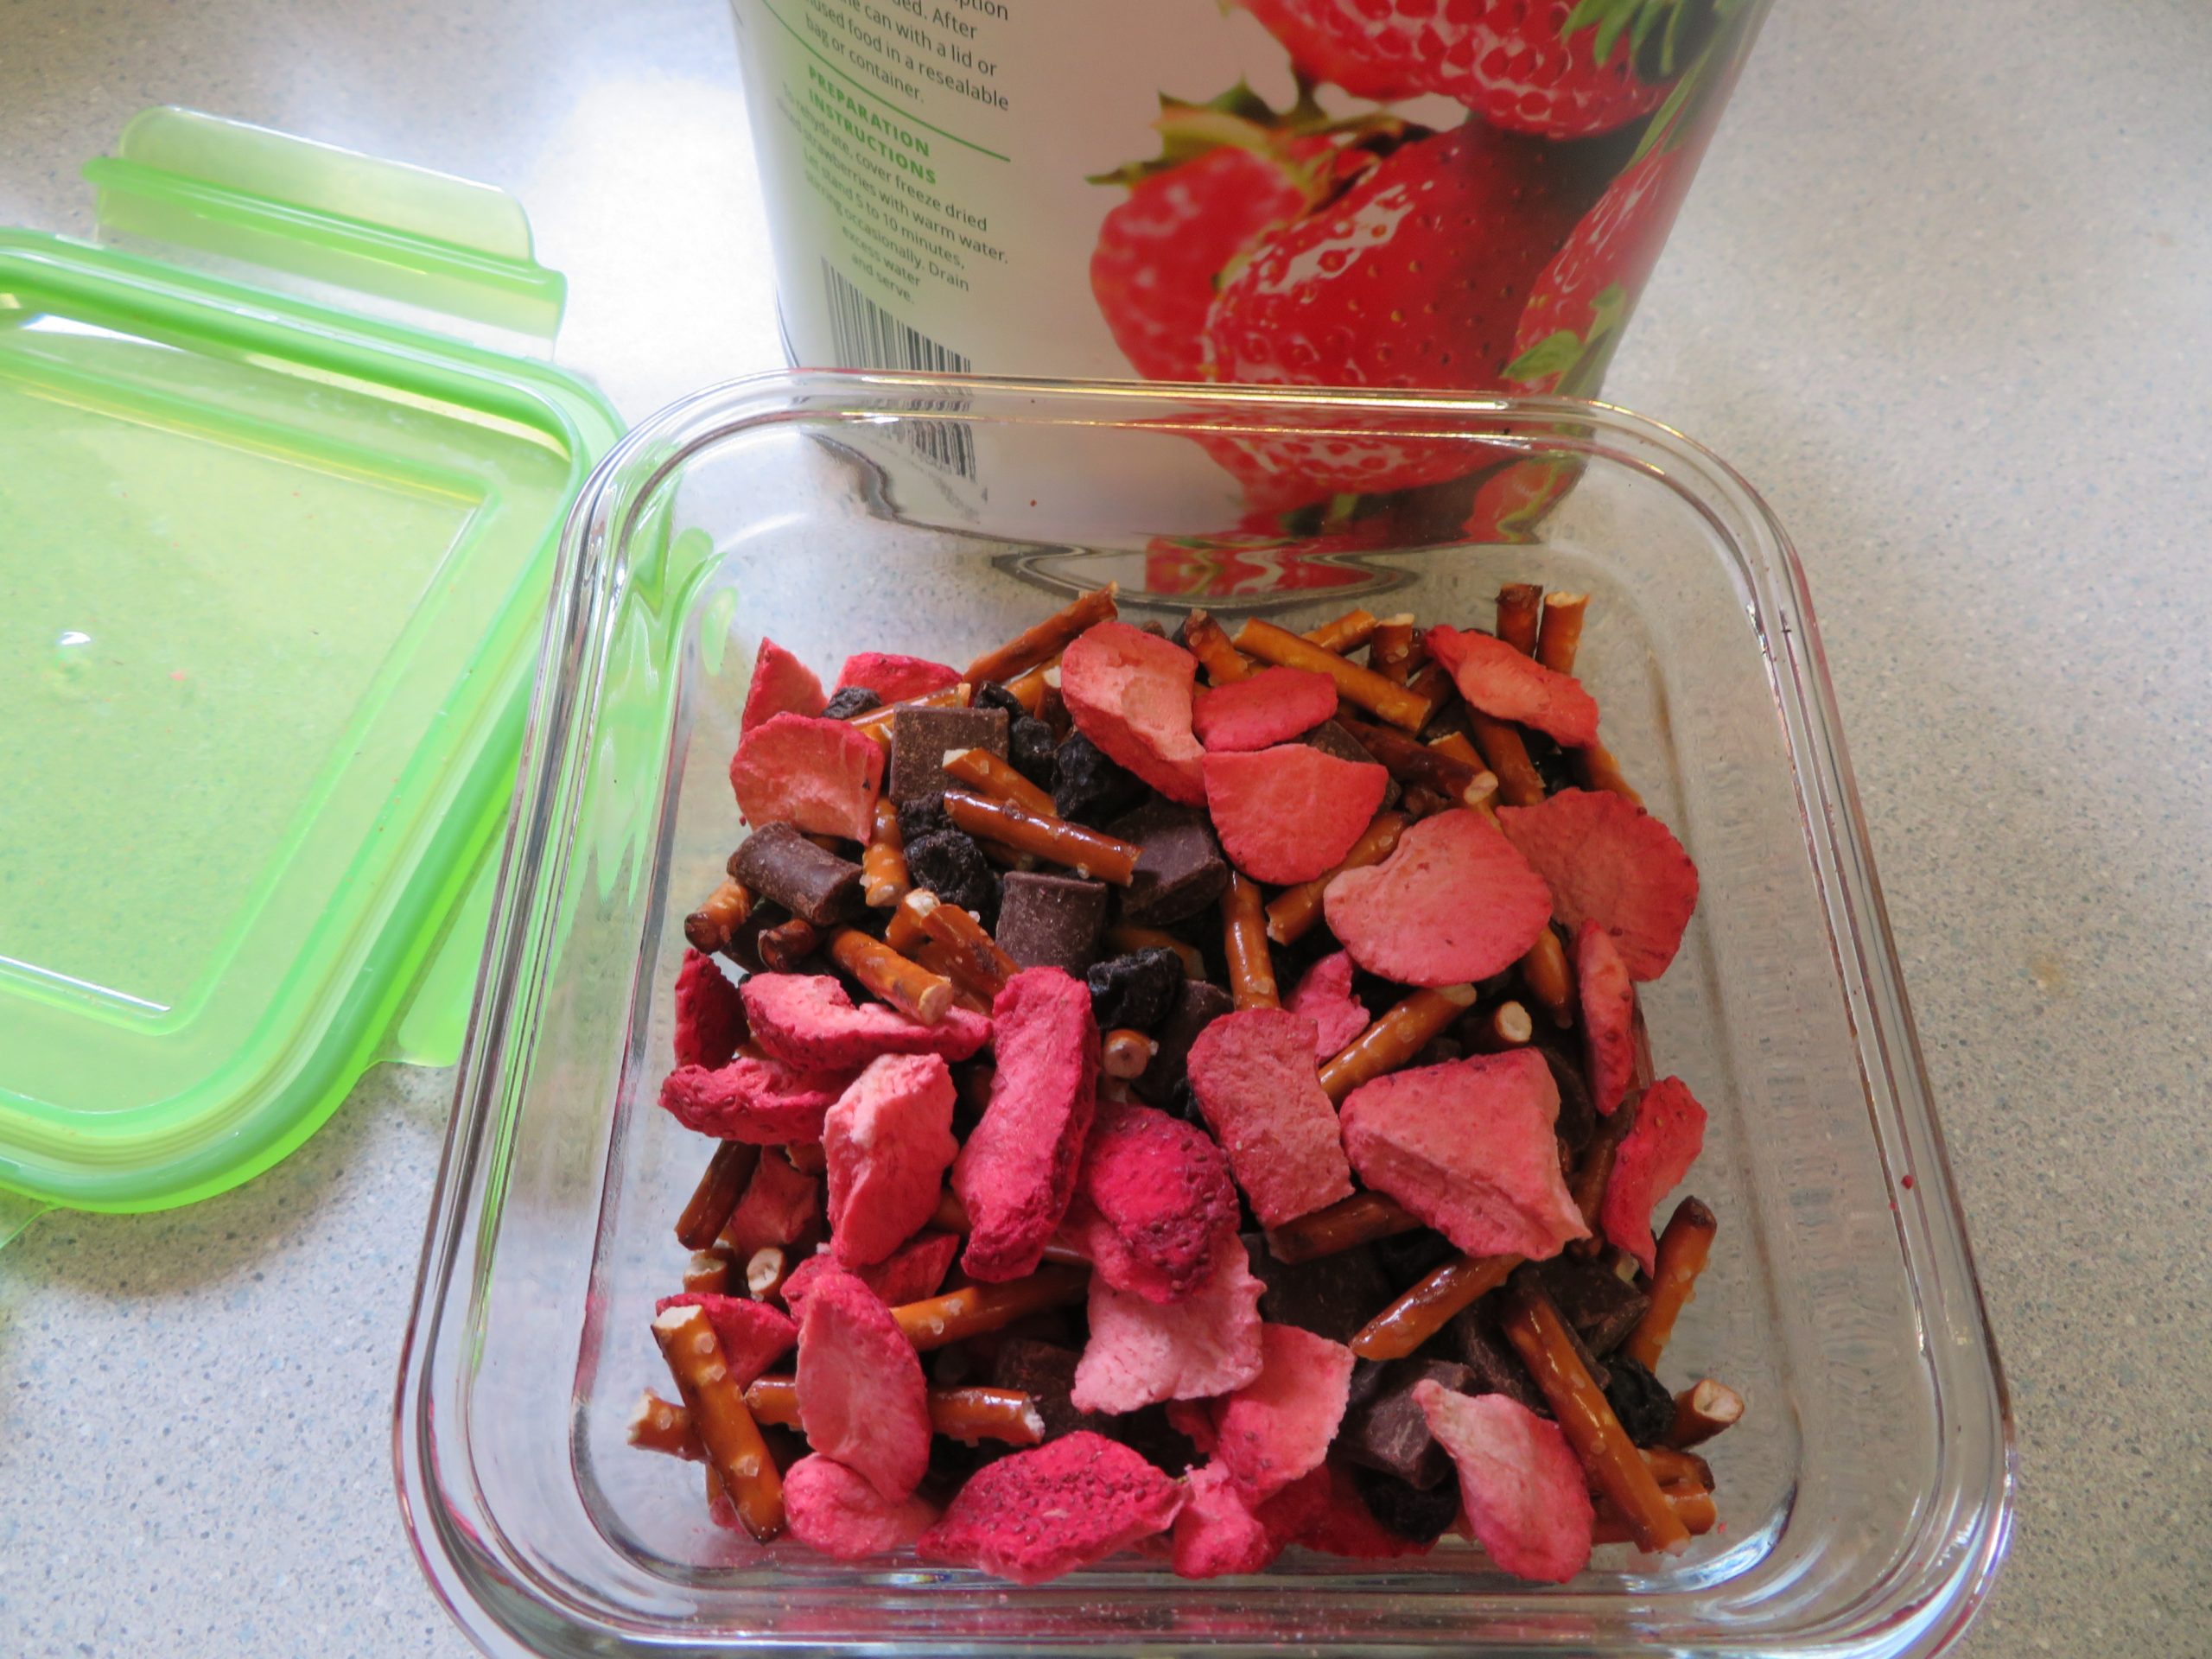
1865, 1498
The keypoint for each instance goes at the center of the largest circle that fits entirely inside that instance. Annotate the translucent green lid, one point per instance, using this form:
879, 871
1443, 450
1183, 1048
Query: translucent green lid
272, 572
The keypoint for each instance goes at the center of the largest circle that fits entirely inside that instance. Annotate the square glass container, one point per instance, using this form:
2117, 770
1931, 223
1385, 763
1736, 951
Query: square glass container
1865, 1499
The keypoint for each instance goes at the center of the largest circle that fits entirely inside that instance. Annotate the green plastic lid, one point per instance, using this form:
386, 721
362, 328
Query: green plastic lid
272, 573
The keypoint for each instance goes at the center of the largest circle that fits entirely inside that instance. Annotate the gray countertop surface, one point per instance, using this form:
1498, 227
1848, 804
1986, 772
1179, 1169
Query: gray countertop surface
1942, 293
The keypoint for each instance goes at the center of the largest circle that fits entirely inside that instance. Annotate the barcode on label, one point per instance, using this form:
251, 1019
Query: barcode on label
866, 336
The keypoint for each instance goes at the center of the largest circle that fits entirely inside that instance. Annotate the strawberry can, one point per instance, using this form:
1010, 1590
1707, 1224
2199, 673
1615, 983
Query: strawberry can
1439, 194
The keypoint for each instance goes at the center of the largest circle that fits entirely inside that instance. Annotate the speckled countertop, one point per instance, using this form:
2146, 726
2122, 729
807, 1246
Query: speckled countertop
1941, 293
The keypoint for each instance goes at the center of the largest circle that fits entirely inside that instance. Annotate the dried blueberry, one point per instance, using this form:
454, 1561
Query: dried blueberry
1639, 1400
992, 695
922, 816
1136, 990
1030, 747
952, 867
1089, 788
1406, 1509
853, 700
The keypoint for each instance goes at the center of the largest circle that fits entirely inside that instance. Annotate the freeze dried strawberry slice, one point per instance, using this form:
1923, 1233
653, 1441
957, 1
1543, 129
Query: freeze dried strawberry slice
760, 1101
1508, 684
1256, 1081
886, 1143
1154, 1203
1273, 707
1017, 1172
1607, 860
1040, 1513
1217, 1534
1290, 813
781, 685
894, 678
821, 776
1608, 999
1325, 1511
1453, 903
1141, 1352
1523, 1488
710, 1013
862, 1399
1656, 1153
753, 1335
779, 1207
1278, 1427
1129, 692
1469, 1147
911, 1273
806, 1021
1324, 996
841, 1514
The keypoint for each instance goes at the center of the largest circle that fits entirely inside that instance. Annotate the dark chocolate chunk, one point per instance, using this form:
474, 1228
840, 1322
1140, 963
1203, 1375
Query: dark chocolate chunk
1087, 787
1472, 1339
778, 862
1419, 1516
992, 695
1407, 1258
920, 737
852, 700
953, 868
1639, 1400
1045, 1372
922, 817
1332, 1296
1180, 870
1438, 1050
1578, 1117
1390, 1432
1330, 737
1592, 1299
1137, 990
1051, 921
1197, 1005
1033, 751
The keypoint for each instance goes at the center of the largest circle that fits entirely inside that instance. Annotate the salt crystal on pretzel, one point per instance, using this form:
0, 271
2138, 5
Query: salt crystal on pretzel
1273, 706
1522, 1489
1324, 996
1453, 903
820, 776
894, 678
1154, 1203
1608, 861
887, 1142
807, 1021
781, 685
1508, 684
754, 1099
1130, 693
1668, 1133
861, 1396
1040, 1513
839, 1513
1017, 1172
1469, 1147
778, 1207
753, 1335
1278, 1427
1290, 813
1217, 1535
1141, 1353
909, 1273
710, 1013
1608, 1003
1254, 1074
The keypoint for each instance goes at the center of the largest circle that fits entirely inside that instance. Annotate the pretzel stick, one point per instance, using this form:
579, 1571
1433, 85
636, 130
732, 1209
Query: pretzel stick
1395, 703
1519, 784
1520, 614
876, 722
1205, 640
978, 962
1123, 940
973, 1309
1559, 635
709, 927
1244, 942
766, 1273
1506, 1026
1587, 1185
950, 1216
1599, 770
884, 879
1347, 632
904, 930
1434, 687
1533, 1326
659, 1425
788, 943
1670, 1465
1359, 1219
1086, 852
1702, 1410
706, 1272
906, 986
1391, 651
1034, 646
1125, 1053
734, 1448
970, 1414
1683, 1248
987, 774
1458, 780
715, 1197
1695, 1509
1294, 910
1420, 802
1544, 970
1431, 1304
1028, 690
1399, 1035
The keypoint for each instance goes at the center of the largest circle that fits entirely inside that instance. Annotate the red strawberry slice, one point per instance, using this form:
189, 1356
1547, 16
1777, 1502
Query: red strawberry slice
1526, 1497
808, 1021
754, 1099
781, 685
1508, 684
709, 1012
1453, 903
1043, 1512
1325, 1511
1154, 1203
817, 775
1324, 996
887, 1144
1273, 706
1217, 1535
1130, 693
840, 1514
1608, 999
1277, 1427
753, 1335
1609, 861
1656, 1153
912, 1272
779, 1207
1141, 1353
1260, 1089
1290, 813
1468, 1147
861, 1397
895, 678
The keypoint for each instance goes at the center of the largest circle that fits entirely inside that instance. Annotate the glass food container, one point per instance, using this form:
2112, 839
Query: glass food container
1865, 1498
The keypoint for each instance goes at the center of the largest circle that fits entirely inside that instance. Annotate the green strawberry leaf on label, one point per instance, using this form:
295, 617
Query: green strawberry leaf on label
1555, 354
